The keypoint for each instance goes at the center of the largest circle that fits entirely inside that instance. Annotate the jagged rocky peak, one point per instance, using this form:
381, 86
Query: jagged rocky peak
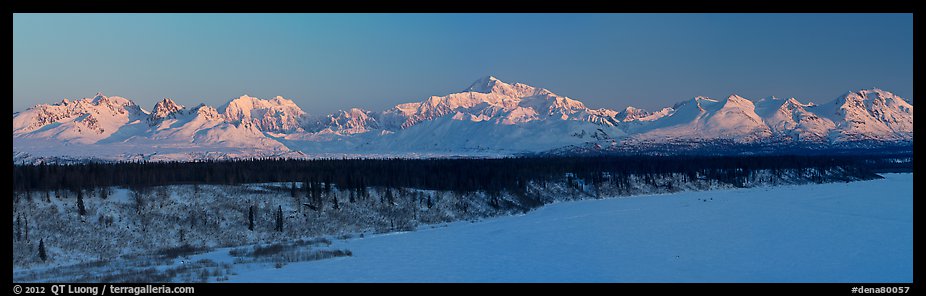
165, 108
98, 104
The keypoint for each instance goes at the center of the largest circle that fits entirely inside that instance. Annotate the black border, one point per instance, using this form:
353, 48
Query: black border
438, 288
498, 6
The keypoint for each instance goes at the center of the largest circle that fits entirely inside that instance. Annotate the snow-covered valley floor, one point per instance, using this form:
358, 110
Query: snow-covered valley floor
838, 232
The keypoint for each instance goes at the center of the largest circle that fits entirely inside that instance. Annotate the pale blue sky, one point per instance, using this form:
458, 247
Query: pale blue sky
327, 62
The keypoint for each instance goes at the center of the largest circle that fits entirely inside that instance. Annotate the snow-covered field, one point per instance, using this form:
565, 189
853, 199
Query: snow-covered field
840, 232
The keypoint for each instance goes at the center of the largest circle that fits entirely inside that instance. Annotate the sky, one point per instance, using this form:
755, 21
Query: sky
326, 62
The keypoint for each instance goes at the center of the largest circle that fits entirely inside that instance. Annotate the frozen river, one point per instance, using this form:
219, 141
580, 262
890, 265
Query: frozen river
840, 232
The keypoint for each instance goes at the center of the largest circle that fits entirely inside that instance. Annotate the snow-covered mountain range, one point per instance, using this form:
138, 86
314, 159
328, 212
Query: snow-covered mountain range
488, 118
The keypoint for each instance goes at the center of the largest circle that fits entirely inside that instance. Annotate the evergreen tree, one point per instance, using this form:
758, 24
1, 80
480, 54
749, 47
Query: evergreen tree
317, 195
18, 227
279, 219
81, 210
390, 198
42, 254
308, 191
251, 218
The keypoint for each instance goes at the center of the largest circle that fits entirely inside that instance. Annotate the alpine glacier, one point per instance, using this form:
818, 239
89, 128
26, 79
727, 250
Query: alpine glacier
488, 118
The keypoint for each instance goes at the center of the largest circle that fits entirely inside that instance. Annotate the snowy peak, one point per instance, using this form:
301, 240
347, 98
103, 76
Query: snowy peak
736, 100
702, 118
491, 85
345, 122
736, 105
637, 115
553, 105
740, 106
484, 84
81, 121
244, 105
737, 119
355, 113
794, 120
492, 100
870, 114
241, 107
115, 103
792, 104
701, 105
490, 117
564, 103
877, 92
275, 115
166, 108
698, 103
630, 114
99, 106
486, 97
207, 112
767, 106
866, 97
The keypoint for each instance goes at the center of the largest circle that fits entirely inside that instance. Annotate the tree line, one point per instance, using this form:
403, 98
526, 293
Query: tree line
461, 175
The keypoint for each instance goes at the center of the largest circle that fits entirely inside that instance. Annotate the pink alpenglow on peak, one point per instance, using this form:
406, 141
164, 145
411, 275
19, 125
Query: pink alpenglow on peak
489, 118
165, 108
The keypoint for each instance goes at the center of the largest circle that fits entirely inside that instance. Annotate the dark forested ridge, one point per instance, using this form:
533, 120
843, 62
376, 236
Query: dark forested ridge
462, 175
